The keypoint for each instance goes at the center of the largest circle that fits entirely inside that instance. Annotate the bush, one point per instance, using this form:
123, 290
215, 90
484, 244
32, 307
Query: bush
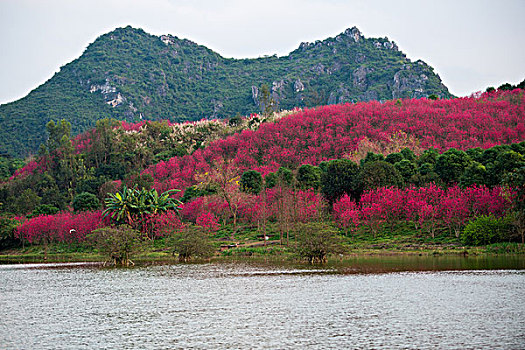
251, 182
485, 230
118, 244
86, 201
7, 232
316, 240
44, 209
192, 242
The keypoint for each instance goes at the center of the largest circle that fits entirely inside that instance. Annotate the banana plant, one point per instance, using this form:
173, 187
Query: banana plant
118, 206
131, 204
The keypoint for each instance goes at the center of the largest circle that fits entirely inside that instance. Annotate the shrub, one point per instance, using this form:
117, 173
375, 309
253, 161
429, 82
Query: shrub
7, 232
192, 242
44, 209
251, 182
316, 240
486, 230
118, 244
85, 201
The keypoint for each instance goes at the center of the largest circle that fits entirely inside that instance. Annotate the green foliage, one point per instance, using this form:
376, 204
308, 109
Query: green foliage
406, 169
372, 157
145, 181
117, 244
393, 158
24, 203
191, 242
428, 156
8, 166
44, 209
341, 176
86, 201
475, 173
408, 154
270, 181
380, 174
197, 191
315, 241
506, 162
7, 232
131, 204
285, 176
58, 135
451, 164
251, 182
486, 230
309, 177
181, 79
91, 184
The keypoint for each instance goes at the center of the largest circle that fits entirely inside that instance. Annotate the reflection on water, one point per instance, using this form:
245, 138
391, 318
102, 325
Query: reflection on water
244, 305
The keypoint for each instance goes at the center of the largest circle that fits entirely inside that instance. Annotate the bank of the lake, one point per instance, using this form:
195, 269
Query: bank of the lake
384, 253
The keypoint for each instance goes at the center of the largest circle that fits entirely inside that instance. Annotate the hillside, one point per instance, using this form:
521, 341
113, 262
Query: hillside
130, 75
169, 156
429, 167
352, 130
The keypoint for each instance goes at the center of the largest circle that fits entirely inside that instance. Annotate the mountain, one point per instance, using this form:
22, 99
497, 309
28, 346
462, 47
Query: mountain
131, 75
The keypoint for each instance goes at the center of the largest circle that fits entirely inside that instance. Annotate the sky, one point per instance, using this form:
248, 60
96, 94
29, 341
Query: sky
472, 44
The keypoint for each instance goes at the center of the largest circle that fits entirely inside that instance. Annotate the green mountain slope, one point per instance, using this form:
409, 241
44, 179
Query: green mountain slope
131, 75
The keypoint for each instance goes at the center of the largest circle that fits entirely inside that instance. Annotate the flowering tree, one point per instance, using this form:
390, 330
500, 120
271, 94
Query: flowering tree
224, 177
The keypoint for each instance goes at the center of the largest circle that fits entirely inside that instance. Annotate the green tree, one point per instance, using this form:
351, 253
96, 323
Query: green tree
372, 157
58, 135
424, 175
474, 174
315, 241
117, 244
25, 203
428, 156
266, 101
393, 158
86, 201
7, 232
516, 182
408, 154
486, 230
191, 242
309, 177
407, 169
506, 162
341, 176
285, 176
270, 181
451, 165
44, 209
140, 181
380, 174
251, 182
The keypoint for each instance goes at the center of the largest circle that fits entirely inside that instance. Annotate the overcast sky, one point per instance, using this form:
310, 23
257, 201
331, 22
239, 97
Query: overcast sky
471, 44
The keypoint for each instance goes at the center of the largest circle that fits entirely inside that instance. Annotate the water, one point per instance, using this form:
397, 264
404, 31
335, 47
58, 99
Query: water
232, 306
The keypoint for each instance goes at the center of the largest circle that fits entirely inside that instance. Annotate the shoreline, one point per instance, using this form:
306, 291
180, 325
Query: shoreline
17, 256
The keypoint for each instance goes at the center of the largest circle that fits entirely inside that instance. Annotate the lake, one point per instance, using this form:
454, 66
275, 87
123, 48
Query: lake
369, 302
